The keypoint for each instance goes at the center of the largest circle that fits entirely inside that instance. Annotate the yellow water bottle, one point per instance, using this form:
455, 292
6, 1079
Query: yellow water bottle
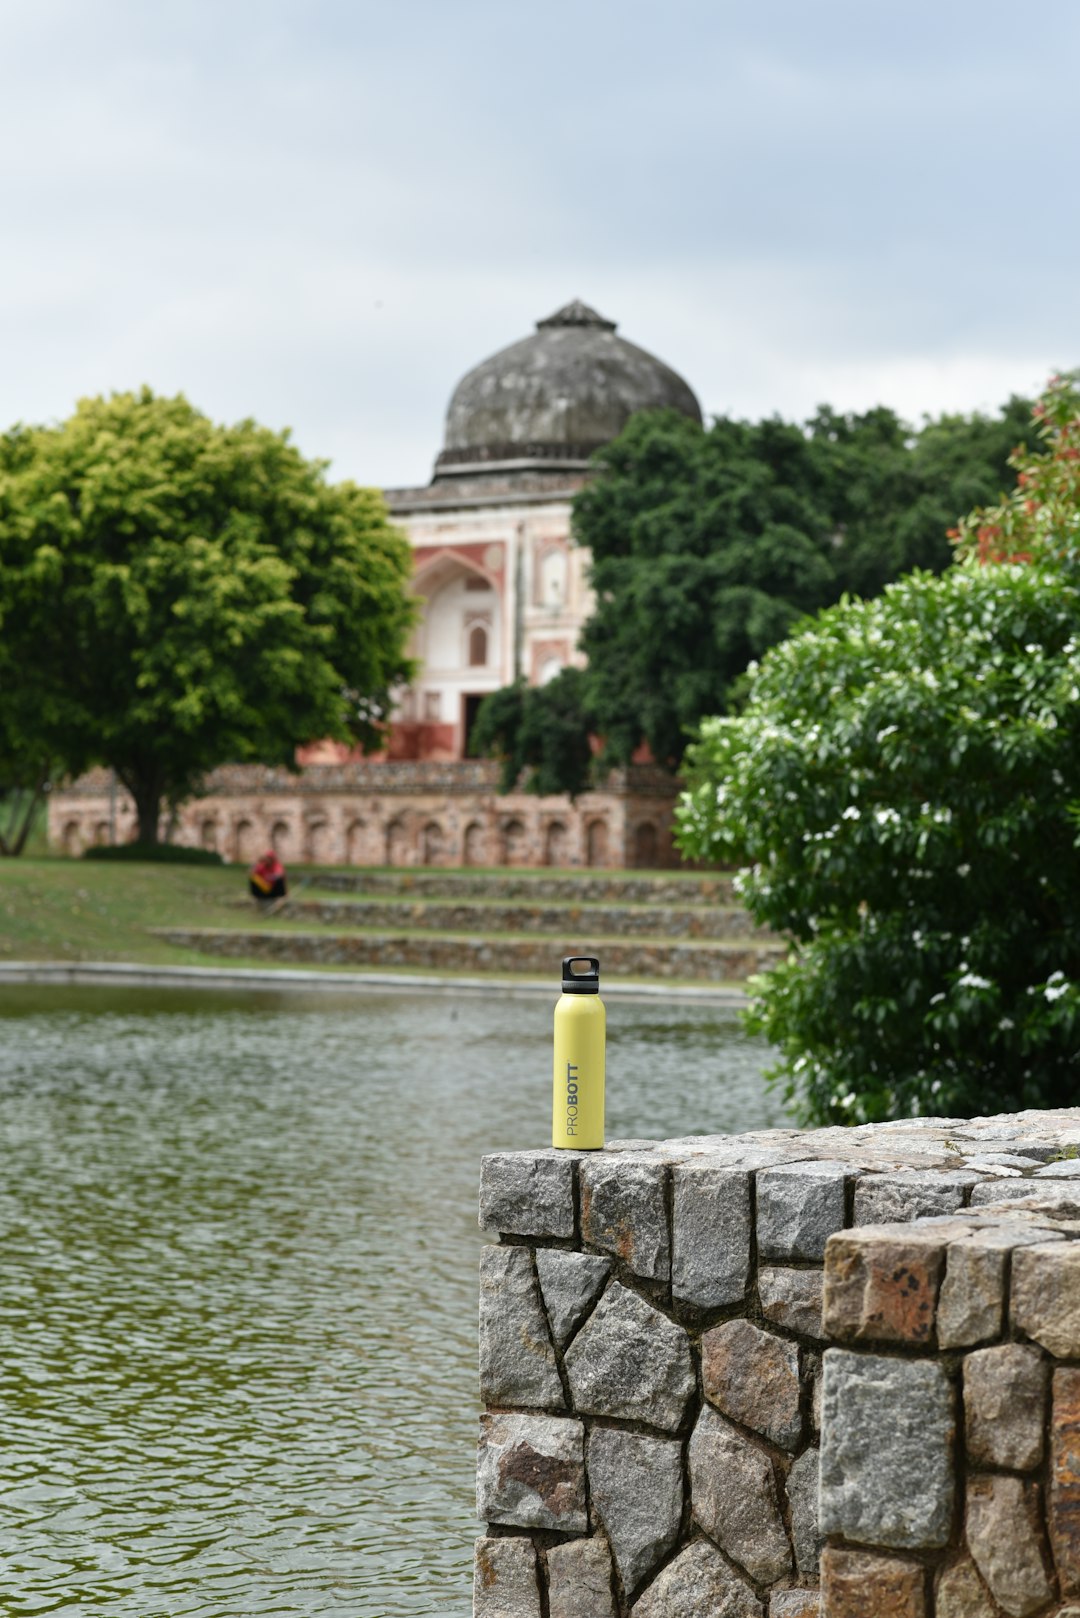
580, 1036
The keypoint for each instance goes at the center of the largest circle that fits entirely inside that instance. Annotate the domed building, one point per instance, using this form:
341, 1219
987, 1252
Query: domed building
504, 595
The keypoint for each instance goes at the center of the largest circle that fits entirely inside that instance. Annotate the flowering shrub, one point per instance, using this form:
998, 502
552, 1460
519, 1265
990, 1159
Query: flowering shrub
904, 783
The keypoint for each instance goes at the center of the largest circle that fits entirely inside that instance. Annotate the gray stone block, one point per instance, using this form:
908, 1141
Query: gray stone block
530, 1472
884, 1199
517, 1360
1046, 1296
570, 1283
792, 1298
961, 1593
1005, 1393
624, 1212
753, 1377
504, 1579
579, 1580
698, 1584
630, 1362
636, 1489
802, 1493
887, 1439
795, 1603
798, 1209
528, 1193
711, 1235
734, 1497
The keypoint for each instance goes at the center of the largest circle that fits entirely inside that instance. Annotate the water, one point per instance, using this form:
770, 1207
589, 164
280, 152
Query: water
238, 1282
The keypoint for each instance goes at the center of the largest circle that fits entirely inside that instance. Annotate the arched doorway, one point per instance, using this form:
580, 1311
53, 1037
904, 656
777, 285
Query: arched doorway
596, 843
244, 842
475, 848
432, 843
280, 839
318, 842
514, 843
646, 844
397, 843
556, 844
355, 839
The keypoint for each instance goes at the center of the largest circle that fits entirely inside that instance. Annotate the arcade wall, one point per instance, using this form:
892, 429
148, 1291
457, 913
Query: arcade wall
783, 1374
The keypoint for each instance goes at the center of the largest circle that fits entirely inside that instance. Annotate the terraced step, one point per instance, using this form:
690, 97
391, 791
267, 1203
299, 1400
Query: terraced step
731, 961
664, 921
584, 887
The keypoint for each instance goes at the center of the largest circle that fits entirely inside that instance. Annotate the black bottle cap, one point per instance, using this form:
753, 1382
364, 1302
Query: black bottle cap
580, 982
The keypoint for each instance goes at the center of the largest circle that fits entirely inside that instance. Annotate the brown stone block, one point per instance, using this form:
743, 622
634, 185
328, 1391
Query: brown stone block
1046, 1296
881, 1285
754, 1377
1005, 1406
1005, 1535
961, 1593
1064, 1504
859, 1584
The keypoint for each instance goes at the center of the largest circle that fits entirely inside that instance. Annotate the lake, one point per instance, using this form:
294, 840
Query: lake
238, 1288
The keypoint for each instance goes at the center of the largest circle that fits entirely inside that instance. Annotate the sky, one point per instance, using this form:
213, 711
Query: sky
322, 214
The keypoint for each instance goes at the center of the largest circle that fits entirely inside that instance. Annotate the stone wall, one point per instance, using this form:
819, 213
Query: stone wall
784, 1374
392, 813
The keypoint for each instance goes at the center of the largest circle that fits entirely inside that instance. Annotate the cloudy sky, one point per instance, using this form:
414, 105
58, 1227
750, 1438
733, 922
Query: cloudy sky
322, 214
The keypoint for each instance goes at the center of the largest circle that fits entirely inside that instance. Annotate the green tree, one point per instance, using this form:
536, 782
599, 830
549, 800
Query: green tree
708, 545
538, 733
904, 785
179, 594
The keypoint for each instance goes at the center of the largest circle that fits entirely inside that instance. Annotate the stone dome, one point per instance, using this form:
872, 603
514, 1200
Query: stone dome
554, 398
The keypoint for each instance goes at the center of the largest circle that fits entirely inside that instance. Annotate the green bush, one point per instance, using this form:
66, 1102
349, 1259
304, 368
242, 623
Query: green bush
158, 853
905, 783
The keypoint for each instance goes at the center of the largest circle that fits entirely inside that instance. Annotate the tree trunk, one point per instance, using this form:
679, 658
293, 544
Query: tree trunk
21, 817
147, 796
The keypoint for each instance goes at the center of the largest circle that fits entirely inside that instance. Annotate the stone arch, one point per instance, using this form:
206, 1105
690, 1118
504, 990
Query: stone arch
646, 845
208, 834
557, 844
101, 833
317, 842
433, 844
397, 842
244, 842
478, 646
71, 837
514, 842
448, 585
596, 842
355, 840
474, 847
281, 839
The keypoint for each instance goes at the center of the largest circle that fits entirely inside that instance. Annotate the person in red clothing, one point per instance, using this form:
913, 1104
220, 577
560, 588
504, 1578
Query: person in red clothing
267, 879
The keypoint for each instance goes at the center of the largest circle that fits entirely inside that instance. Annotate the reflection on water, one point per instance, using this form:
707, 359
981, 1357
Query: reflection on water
237, 1295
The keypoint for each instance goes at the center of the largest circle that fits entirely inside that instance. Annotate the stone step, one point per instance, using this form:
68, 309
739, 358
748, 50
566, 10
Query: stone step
653, 921
731, 961
585, 887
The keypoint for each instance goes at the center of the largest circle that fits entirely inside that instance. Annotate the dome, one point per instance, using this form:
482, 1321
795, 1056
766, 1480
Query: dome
555, 397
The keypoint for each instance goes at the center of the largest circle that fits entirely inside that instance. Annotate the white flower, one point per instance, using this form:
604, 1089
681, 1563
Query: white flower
963, 870
972, 980
1005, 1024
890, 730
1054, 991
850, 813
935, 999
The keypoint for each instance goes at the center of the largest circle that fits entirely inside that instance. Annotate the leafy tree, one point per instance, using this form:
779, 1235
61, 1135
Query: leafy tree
180, 594
904, 782
538, 734
709, 545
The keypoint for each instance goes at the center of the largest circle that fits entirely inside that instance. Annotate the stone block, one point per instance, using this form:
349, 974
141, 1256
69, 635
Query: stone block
579, 1580
711, 1235
570, 1283
528, 1193
1063, 1507
624, 1212
881, 1285
971, 1301
802, 1493
517, 1360
631, 1362
887, 1437
753, 1377
1046, 1296
795, 1603
734, 1497
885, 1199
1003, 1525
636, 1489
1005, 1406
855, 1584
504, 1579
799, 1207
961, 1593
698, 1584
792, 1299
530, 1472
